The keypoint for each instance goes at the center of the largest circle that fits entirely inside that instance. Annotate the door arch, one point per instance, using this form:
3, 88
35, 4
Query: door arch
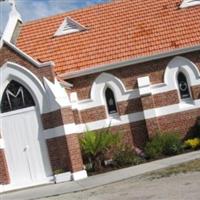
25, 147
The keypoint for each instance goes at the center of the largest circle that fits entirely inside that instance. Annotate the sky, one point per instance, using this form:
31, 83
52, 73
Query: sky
35, 9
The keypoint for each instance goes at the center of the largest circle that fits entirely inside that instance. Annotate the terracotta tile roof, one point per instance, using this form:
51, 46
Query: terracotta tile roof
116, 31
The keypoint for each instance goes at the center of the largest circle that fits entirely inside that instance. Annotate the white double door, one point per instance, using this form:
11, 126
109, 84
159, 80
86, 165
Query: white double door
25, 148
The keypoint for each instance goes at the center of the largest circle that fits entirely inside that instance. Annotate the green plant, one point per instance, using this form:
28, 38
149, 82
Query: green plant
153, 148
95, 144
59, 171
125, 156
163, 144
172, 144
192, 143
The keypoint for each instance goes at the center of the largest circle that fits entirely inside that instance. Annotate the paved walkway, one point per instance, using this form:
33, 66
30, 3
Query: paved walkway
144, 187
98, 180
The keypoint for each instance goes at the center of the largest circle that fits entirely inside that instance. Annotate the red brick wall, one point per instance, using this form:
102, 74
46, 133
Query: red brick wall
140, 134
58, 153
184, 122
128, 75
57, 118
130, 106
4, 176
7, 54
65, 153
74, 152
93, 114
195, 90
166, 98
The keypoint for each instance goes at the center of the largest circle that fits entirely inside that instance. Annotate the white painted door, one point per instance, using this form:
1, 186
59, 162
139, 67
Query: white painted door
25, 148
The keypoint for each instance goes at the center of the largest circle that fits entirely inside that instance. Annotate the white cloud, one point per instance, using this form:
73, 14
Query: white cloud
34, 9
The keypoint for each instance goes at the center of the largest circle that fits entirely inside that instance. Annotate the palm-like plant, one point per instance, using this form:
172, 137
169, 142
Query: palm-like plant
95, 144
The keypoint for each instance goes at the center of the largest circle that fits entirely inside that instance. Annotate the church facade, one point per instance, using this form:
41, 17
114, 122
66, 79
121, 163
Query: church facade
106, 65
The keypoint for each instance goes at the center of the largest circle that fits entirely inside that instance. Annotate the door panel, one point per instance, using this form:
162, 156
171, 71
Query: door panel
21, 132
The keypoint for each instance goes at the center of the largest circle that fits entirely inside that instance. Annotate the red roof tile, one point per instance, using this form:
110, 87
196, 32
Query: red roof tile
116, 31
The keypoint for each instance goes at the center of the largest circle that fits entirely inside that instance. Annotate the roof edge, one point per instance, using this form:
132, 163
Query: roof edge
27, 57
106, 67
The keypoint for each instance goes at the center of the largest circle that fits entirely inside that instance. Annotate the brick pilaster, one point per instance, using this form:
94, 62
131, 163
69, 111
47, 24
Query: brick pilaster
64, 151
74, 153
147, 102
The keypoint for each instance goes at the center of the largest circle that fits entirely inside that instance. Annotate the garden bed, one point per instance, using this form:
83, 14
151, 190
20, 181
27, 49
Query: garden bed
96, 145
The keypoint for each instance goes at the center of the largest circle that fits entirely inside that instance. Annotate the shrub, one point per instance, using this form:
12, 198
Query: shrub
153, 148
192, 143
95, 144
172, 144
125, 156
163, 144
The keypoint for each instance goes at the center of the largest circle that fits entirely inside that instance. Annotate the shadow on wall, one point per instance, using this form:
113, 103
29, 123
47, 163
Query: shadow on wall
194, 131
138, 129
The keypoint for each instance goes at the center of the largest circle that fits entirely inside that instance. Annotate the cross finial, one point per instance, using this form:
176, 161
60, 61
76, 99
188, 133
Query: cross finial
12, 3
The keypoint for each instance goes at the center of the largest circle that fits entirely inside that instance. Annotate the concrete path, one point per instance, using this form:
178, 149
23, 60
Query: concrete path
144, 187
98, 180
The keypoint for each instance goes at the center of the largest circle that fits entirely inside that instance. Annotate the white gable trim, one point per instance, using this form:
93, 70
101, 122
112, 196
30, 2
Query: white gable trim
68, 26
27, 57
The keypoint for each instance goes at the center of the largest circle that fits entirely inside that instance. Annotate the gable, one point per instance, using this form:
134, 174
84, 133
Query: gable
8, 54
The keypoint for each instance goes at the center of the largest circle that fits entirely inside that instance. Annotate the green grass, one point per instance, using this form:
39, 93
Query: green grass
191, 166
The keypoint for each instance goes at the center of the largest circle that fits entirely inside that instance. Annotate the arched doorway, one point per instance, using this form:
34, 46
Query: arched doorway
25, 147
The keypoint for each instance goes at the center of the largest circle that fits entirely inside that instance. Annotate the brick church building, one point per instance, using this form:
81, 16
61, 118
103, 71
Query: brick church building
133, 65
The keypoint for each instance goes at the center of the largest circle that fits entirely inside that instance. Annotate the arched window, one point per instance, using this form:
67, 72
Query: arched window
110, 100
183, 86
15, 97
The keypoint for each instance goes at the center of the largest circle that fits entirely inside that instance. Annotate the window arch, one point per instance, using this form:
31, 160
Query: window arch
110, 101
183, 86
16, 97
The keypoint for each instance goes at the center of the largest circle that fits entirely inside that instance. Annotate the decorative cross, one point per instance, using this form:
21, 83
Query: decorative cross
12, 3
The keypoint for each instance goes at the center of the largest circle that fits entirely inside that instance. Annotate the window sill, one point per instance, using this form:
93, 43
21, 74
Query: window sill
113, 119
186, 103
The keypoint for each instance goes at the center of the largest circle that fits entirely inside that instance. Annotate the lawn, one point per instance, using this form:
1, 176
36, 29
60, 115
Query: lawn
191, 166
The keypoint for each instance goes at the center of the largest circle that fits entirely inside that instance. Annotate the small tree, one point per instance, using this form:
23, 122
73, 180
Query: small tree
95, 144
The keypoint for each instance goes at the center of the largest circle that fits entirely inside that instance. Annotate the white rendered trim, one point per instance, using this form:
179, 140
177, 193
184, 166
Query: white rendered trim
15, 112
14, 18
189, 3
123, 119
57, 95
2, 145
133, 61
12, 71
176, 65
97, 94
67, 21
79, 175
63, 177
27, 57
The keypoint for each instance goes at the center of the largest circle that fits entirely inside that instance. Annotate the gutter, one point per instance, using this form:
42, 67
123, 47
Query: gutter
133, 61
